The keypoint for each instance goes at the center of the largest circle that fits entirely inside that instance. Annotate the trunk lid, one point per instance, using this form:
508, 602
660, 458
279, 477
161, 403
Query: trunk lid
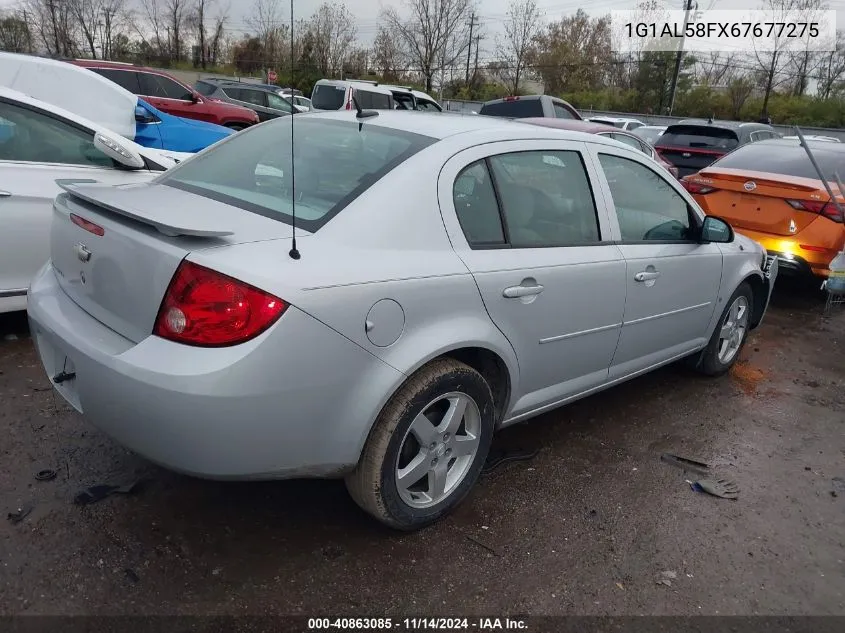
764, 208
120, 277
691, 148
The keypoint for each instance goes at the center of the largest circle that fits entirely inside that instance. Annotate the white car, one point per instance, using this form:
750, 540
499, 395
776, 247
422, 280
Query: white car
41, 146
620, 122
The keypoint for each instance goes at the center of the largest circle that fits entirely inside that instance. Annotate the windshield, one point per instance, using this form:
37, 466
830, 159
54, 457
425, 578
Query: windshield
789, 161
328, 97
699, 136
649, 134
334, 162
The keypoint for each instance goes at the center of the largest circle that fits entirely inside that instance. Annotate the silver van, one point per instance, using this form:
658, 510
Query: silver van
337, 94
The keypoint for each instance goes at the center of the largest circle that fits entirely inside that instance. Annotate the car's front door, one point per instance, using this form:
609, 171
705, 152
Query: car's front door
37, 149
672, 279
172, 97
523, 218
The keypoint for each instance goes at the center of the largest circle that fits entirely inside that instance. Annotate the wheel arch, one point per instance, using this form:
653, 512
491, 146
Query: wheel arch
759, 297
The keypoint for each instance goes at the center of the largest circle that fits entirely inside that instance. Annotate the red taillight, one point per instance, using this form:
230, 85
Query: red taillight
511, 98
694, 187
89, 226
208, 309
821, 207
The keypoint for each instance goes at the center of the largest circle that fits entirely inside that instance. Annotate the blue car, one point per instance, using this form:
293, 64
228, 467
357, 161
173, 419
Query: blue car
159, 130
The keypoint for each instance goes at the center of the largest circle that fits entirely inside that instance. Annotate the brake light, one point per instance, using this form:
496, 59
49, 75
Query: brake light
694, 187
89, 226
822, 207
511, 98
205, 308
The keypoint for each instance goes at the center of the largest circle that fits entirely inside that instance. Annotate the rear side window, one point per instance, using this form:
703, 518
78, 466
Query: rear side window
372, 100
634, 126
629, 140
254, 97
562, 112
476, 206
334, 163
699, 136
518, 108
124, 78
428, 106
774, 158
328, 97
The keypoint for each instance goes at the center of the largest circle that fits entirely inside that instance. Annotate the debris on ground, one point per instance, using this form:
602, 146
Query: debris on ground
99, 492
684, 462
498, 457
723, 488
131, 575
666, 578
19, 515
45, 475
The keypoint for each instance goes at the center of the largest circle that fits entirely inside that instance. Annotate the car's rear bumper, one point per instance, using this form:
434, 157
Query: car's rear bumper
793, 259
296, 401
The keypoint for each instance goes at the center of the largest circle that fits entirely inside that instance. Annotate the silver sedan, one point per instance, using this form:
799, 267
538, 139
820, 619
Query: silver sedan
450, 276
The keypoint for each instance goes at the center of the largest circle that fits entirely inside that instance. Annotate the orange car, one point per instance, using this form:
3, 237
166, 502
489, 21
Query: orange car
770, 192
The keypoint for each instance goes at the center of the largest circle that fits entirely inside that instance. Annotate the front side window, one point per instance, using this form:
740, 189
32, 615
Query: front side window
30, 136
334, 162
163, 87
428, 106
647, 206
633, 125
253, 97
546, 198
628, 140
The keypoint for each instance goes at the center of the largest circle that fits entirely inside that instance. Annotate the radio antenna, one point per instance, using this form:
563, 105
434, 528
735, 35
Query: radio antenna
294, 253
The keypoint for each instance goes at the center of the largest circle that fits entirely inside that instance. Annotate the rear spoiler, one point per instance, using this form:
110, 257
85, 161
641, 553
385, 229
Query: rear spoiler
166, 222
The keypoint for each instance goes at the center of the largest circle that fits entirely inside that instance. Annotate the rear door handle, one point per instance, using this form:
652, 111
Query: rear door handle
646, 276
514, 292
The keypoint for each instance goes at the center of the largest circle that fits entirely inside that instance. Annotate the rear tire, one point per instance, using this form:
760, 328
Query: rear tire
730, 334
427, 447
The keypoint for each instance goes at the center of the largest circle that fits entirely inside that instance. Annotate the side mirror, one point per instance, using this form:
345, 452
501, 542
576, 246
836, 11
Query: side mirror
192, 97
142, 115
716, 230
118, 151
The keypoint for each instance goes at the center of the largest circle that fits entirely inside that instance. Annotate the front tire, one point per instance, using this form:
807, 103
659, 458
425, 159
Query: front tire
427, 447
730, 335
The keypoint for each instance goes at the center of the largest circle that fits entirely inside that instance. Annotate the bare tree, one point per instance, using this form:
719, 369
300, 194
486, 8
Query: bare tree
739, 91
434, 35
218, 34
522, 26
112, 25
268, 23
197, 21
831, 69
715, 69
175, 14
388, 57
54, 26
87, 16
334, 31
15, 32
156, 27
773, 61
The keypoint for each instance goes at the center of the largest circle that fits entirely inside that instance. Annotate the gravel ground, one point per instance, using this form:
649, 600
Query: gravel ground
589, 526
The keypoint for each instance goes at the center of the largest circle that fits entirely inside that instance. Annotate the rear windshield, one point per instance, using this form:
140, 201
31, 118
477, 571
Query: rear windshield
328, 97
699, 136
334, 163
789, 161
518, 109
204, 88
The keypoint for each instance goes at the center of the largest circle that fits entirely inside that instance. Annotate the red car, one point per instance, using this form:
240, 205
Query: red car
603, 129
170, 95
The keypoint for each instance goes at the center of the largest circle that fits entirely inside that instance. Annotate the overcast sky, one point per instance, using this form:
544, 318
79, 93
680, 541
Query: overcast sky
491, 16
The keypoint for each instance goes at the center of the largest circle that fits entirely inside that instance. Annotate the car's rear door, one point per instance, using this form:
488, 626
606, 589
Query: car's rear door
523, 218
672, 280
37, 149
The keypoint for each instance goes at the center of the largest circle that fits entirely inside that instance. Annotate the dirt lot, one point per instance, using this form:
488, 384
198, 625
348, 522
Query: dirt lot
587, 527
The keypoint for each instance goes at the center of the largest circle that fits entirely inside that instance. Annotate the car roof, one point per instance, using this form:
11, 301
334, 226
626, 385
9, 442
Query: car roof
374, 86
517, 98
795, 142
586, 126
490, 129
730, 125
611, 118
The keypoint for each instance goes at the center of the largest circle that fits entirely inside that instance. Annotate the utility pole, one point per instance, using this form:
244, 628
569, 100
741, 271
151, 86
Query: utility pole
469, 48
688, 7
477, 45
